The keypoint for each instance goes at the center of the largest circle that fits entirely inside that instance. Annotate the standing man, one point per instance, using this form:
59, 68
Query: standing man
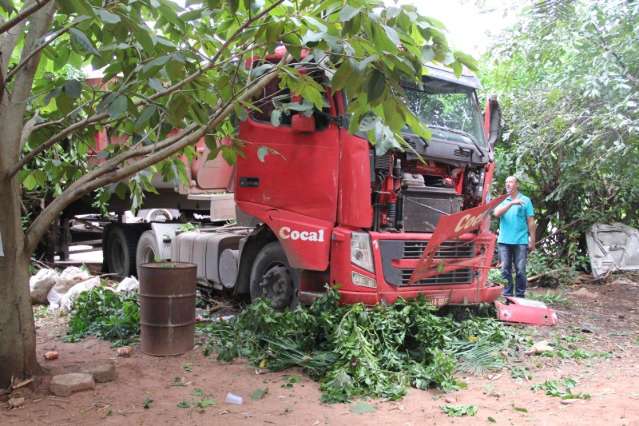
516, 236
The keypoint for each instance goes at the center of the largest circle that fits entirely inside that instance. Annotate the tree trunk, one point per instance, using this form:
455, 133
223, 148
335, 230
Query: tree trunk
17, 330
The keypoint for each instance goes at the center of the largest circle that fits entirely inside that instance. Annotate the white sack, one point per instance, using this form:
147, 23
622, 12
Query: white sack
40, 284
128, 284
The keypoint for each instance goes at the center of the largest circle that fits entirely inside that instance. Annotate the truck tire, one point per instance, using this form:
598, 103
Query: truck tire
120, 244
147, 250
273, 279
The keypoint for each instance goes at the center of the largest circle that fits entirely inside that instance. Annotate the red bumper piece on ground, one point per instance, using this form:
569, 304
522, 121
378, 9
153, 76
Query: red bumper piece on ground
525, 311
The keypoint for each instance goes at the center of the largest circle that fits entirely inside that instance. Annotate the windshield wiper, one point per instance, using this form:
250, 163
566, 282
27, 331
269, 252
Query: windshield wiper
462, 133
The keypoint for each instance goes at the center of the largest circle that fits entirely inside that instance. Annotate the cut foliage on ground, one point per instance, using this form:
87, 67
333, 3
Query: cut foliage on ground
105, 314
355, 351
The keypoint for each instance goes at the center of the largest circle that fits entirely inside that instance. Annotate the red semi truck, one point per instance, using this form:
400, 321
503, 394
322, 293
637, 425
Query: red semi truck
311, 204
316, 204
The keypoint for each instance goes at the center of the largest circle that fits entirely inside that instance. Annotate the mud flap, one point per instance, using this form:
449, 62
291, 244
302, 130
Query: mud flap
525, 311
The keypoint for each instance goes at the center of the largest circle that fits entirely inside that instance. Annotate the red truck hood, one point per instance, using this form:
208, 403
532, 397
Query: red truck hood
449, 228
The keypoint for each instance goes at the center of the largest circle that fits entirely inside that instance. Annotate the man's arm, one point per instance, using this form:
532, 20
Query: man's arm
532, 231
501, 209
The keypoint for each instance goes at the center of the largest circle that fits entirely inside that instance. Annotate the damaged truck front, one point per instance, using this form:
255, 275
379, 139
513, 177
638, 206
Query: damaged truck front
316, 204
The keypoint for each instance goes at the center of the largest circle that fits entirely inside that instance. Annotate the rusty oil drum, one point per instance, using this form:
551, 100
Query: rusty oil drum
167, 307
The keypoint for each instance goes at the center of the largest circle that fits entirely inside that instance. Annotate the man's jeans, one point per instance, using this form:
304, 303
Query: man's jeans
517, 254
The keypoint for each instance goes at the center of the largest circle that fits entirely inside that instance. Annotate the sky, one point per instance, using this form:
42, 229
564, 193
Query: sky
469, 26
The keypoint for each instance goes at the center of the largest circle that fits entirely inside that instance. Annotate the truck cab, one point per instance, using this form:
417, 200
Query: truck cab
318, 205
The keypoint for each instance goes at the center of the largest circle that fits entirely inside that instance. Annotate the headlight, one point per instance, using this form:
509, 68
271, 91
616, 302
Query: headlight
361, 252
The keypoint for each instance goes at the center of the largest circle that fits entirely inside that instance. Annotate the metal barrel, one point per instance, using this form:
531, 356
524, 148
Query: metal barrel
167, 307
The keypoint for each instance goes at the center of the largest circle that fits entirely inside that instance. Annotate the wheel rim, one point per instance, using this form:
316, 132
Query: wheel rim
148, 256
277, 286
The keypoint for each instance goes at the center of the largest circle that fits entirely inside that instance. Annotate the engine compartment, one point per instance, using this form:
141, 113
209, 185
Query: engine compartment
410, 192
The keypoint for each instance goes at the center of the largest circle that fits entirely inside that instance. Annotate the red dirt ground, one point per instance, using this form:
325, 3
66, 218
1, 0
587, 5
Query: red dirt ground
610, 313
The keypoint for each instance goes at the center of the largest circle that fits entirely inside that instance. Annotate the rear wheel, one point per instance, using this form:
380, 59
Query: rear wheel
120, 244
272, 277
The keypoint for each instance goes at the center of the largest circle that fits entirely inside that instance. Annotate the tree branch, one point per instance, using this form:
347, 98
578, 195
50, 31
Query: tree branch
24, 14
56, 138
28, 128
98, 117
217, 55
109, 173
37, 50
12, 113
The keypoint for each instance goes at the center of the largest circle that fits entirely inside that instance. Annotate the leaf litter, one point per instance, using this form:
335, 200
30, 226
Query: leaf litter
355, 351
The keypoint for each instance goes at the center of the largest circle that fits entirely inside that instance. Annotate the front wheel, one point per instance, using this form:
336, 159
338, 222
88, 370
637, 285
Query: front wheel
272, 277
147, 250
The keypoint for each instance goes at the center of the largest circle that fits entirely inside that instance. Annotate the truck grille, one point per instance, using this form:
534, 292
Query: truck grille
460, 276
447, 250
413, 249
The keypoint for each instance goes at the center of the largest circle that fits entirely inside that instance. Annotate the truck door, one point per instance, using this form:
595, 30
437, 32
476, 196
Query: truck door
288, 168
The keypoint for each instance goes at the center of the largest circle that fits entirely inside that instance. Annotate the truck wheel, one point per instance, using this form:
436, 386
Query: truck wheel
119, 249
147, 250
272, 277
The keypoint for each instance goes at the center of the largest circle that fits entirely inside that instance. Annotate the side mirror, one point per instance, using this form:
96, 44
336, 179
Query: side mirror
492, 120
302, 123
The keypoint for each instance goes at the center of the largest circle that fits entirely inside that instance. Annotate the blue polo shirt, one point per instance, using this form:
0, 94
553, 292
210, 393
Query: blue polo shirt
513, 225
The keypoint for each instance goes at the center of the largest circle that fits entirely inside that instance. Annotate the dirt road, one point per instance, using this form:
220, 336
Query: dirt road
597, 345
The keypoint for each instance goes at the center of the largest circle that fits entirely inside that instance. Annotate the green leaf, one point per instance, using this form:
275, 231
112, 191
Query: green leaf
118, 106
178, 107
229, 154
64, 103
348, 12
30, 182
145, 116
342, 76
427, 54
81, 39
466, 59
192, 15
376, 86
152, 66
155, 84
73, 88
7, 6
392, 35
143, 37
259, 393
107, 17
233, 5
457, 68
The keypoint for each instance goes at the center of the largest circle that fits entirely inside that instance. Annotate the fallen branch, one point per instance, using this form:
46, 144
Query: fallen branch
22, 384
543, 274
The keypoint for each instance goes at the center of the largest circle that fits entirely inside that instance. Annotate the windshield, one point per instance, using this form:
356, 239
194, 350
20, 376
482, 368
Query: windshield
450, 110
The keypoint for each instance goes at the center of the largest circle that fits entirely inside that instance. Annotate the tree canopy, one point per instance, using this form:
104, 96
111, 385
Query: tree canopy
567, 75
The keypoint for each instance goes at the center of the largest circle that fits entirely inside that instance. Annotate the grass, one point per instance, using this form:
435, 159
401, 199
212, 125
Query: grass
549, 298
560, 389
459, 410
